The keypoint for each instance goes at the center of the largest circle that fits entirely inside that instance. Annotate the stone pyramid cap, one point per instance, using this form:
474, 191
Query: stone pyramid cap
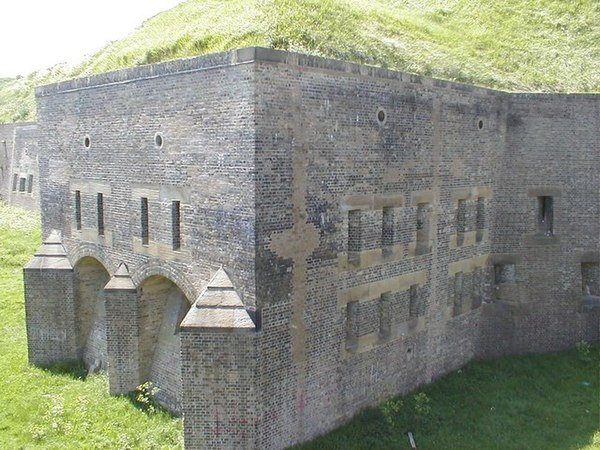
220, 281
218, 307
120, 281
50, 255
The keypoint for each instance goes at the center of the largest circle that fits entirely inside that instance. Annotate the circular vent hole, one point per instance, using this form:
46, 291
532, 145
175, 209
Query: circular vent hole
158, 140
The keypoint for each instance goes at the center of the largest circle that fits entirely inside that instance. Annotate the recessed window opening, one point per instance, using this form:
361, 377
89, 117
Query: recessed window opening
176, 224
384, 315
351, 325
387, 228
546, 215
78, 210
480, 124
15, 182
461, 221
504, 273
354, 230
87, 143
458, 293
413, 301
144, 221
480, 220
422, 228
22, 184
29, 184
590, 278
158, 140
100, 213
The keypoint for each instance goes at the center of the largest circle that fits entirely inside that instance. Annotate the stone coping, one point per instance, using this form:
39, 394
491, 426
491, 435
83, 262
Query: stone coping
261, 54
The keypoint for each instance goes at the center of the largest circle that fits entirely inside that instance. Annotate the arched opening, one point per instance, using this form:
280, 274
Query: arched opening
162, 307
90, 279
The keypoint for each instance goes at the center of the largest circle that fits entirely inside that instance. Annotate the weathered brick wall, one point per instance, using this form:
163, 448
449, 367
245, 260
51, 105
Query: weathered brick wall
552, 150
205, 163
453, 164
178, 132
323, 148
219, 379
387, 228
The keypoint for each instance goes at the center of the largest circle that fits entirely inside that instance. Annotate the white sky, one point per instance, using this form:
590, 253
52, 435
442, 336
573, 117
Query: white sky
37, 34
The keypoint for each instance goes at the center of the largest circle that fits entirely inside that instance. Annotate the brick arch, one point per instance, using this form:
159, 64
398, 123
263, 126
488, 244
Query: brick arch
168, 271
84, 250
90, 275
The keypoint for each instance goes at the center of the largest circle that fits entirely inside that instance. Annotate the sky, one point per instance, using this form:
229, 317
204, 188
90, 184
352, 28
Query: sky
37, 34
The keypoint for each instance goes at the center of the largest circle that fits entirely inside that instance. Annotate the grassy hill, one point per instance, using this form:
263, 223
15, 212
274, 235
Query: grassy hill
520, 45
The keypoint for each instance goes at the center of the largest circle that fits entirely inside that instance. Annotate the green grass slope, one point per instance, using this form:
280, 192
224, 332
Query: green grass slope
519, 45
56, 408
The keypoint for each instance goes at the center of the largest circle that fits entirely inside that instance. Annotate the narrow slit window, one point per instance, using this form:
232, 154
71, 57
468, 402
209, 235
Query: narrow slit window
176, 224
385, 315
354, 230
458, 293
15, 182
461, 221
480, 218
144, 221
100, 212
22, 184
29, 184
413, 305
422, 228
546, 215
387, 228
351, 325
78, 210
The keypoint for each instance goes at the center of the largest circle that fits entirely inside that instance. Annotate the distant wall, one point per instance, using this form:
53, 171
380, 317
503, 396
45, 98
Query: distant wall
19, 165
6, 150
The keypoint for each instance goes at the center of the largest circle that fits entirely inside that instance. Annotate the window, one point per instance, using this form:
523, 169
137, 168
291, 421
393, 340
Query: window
100, 213
22, 184
15, 182
480, 221
351, 325
29, 184
144, 221
385, 322
545, 215
354, 230
413, 306
387, 228
423, 214
504, 273
458, 293
590, 278
176, 224
78, 210
461, 222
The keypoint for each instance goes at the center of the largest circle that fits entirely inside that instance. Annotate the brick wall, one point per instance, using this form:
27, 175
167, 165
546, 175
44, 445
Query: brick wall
383, 229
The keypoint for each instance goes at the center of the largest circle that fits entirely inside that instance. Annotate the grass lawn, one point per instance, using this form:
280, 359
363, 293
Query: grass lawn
527, 402
57, 409
543, 402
